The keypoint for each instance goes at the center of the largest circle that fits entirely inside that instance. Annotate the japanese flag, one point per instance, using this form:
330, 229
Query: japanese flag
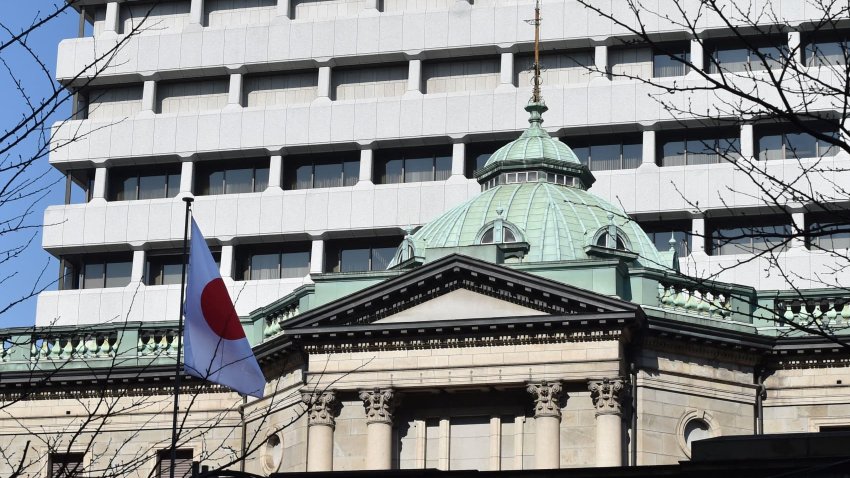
215, 343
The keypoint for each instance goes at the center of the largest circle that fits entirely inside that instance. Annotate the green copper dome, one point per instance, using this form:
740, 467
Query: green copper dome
557, 222
536, 151
535, 144
534, 201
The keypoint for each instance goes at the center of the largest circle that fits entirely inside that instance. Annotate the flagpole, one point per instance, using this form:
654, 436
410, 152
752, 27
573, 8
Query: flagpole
188, 200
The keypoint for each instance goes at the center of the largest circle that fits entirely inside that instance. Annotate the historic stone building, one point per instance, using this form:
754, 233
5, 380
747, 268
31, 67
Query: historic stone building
430, 277
533, 326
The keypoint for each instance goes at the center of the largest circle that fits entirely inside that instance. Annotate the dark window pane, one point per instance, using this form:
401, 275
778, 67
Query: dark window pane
582, 153
773, 58
702, 151
826, 53
238, 181
830, 236
487, 237
173, 185
392, 170
125, 189
773, 238
728, 149
118, 273
303, 178
770, 147
731, 241
354, 260
731, 60
163, 270
350, 172
418, 169
605, 157
442, 168
632, 155
261, 179
213, 183
673, 153
295, 264
152, 187
328, 175
800, 145
663, 65
93, 276
265, 266
381, 258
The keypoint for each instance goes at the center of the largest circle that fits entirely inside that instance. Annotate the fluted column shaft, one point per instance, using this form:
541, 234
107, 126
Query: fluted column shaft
547, 424
605, 394
322, 408
379, 404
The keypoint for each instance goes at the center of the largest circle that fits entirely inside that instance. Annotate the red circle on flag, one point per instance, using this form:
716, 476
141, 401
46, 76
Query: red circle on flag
219, 312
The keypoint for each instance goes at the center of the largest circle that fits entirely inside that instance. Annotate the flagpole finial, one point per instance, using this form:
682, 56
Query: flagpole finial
189, 198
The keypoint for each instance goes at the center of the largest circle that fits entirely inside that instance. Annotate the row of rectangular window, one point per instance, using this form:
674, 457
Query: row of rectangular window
290, 260
688, 147
72, 464
751, 235
468, 74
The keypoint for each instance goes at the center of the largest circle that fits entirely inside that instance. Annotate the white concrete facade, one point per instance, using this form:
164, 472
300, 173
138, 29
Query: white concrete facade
198, 41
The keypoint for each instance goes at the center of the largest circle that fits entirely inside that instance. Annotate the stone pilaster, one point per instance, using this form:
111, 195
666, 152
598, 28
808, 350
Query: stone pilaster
547, 420
379, 405
606, 395
322, 408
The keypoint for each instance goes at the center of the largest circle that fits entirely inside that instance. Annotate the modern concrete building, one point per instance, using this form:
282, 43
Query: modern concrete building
544, 315
314, 133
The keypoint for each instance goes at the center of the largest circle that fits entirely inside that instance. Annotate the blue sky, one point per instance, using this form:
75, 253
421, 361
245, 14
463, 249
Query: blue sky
17, 15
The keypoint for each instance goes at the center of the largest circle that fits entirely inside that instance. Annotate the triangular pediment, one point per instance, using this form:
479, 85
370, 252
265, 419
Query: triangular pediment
458, 289
460, 304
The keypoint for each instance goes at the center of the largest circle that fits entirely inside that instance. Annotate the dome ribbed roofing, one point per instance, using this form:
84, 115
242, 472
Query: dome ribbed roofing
556, 221
534, 145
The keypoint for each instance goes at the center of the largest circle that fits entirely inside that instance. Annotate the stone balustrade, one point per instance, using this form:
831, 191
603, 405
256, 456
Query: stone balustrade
68, 346
273, 321
832, 312
694, 299
5, 345
157, 342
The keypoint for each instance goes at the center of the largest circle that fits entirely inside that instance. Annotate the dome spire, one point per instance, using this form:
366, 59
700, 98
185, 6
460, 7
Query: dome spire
535, 91
536, 106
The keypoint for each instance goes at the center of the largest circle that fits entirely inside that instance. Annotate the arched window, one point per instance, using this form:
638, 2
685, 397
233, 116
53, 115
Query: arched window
508, 235
602, 241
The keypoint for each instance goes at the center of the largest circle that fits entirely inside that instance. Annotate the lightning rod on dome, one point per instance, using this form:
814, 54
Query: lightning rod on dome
535, 92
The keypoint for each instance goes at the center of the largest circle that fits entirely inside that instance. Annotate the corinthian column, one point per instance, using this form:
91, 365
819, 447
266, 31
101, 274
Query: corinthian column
547, 424
322, 407
609, 430
379, 404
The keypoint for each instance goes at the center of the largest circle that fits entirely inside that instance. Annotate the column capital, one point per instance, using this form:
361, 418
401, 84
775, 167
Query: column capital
547, 398
379, 404
606, 395
322, 407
